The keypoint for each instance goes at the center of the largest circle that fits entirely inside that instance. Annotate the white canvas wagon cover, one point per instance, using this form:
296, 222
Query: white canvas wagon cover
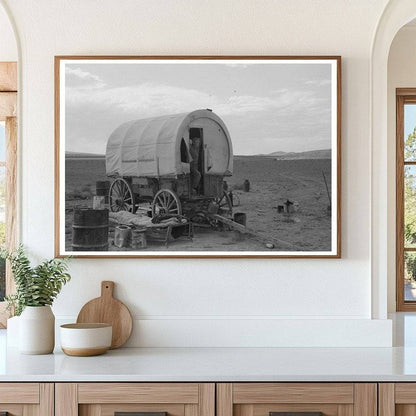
152, 147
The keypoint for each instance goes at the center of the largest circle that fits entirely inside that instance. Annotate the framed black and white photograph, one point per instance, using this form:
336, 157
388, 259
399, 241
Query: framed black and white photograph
198, 156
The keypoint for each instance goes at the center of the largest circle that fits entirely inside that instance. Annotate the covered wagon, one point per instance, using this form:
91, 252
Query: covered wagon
176, 162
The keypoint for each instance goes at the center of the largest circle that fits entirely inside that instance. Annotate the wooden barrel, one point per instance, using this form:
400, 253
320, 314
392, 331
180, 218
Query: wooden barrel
90, 229
102, 188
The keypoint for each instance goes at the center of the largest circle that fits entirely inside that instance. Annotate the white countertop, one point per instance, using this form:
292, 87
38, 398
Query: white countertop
213, 364
222, 364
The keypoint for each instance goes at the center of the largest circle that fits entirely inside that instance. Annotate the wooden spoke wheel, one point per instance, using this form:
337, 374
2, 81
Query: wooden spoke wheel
225, 205
166, 202
121, 196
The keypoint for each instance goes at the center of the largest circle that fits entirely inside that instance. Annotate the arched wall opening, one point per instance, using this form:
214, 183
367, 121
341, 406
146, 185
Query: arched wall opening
395, 16
401, 74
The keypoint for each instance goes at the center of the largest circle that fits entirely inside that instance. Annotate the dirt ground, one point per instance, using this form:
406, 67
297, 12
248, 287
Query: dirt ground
272, 182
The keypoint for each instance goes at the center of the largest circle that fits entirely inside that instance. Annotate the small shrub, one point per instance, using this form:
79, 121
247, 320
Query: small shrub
35, 286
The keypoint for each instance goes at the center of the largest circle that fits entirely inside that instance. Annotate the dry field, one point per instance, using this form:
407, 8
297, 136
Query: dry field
272, 182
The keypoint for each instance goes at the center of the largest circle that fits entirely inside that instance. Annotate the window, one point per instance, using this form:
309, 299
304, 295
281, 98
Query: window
2, 206
406, 199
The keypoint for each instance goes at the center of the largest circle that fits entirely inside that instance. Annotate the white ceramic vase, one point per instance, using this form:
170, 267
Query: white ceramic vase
37, 330
13, 331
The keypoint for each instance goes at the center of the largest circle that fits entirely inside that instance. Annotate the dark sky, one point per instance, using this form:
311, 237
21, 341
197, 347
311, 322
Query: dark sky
266, 107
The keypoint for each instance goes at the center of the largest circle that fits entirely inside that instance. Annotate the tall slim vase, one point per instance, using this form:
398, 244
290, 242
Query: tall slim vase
37, 330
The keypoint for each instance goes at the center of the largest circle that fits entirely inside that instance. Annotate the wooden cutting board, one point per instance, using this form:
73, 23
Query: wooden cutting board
107, 309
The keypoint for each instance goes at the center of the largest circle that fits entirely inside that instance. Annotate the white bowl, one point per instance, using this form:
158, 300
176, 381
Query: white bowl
83, 340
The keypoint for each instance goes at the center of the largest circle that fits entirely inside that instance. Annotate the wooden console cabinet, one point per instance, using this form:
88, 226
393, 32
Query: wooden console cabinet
208, 399
27, 399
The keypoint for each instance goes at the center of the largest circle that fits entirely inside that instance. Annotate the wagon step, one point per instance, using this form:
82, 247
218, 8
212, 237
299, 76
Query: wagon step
255, 235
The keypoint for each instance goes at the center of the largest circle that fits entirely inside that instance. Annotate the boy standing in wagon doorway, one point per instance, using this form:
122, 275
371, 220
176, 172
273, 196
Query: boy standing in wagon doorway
194, 150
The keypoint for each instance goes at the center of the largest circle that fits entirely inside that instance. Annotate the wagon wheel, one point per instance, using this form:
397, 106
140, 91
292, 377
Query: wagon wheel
121, 196
225, 205
166, 202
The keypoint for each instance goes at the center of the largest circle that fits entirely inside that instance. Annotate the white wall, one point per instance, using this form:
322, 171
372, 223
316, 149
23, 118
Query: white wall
401, 74
179, 302
8, 47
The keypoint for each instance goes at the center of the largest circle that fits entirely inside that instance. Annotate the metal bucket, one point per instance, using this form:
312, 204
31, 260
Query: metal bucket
98, 202
122, 236
138, 240
90, 229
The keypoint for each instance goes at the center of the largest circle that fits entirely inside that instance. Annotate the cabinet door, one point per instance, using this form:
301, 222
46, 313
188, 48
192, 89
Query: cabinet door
143, 399
397, 399
297, 399
26, 399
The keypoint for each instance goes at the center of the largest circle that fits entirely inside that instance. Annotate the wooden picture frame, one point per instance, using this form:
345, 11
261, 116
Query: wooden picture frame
118, 147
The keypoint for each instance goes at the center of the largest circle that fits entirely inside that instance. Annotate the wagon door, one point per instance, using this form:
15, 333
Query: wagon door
215, 157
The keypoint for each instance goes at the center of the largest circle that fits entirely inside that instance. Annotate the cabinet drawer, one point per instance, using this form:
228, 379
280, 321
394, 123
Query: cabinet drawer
138, 393
397, 399
297, 399
21, 399
19, 393
148, 399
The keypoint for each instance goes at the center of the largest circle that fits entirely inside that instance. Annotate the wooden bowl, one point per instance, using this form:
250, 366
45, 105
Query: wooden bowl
84, 340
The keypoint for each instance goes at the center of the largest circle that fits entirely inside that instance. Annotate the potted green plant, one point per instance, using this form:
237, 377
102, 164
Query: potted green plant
36, 289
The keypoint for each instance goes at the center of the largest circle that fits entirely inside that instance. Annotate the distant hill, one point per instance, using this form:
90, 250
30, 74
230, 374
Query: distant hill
312, 154
77, 155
